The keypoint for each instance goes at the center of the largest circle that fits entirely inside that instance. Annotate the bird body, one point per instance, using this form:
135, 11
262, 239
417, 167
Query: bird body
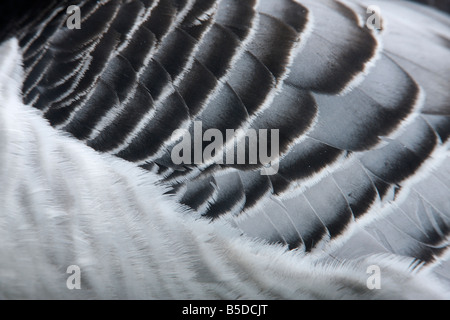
86, 123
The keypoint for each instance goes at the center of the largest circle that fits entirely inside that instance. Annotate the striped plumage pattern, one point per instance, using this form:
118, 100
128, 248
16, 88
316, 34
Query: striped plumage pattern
364, 115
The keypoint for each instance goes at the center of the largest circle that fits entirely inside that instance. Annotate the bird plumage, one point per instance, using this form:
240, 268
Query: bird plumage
363, 171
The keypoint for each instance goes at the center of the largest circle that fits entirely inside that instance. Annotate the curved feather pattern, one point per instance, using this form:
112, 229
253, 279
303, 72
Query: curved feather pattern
363, 115
356, 120
416, 227
366, 113
334, 56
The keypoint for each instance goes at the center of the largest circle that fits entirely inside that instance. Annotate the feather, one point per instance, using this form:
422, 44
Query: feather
86, 124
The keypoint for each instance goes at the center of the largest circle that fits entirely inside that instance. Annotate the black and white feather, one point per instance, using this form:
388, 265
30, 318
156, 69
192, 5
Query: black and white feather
87, 116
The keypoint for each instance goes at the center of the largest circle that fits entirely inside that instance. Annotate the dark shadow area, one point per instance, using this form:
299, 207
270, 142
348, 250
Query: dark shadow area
18, 13
443, 5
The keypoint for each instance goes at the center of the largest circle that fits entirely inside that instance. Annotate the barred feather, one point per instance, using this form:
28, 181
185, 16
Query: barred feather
364, 120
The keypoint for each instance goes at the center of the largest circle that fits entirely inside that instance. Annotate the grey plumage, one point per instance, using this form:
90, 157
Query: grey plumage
363, 114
